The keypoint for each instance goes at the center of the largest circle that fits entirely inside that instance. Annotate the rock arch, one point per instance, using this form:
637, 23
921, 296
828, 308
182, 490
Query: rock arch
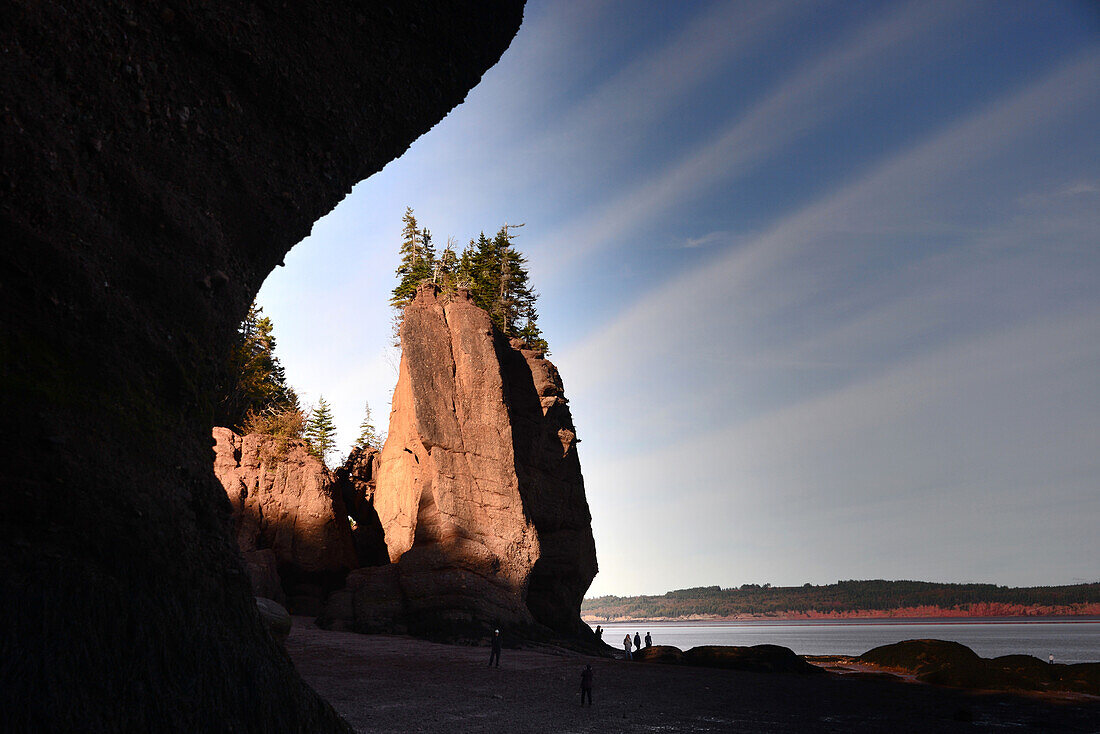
159, 159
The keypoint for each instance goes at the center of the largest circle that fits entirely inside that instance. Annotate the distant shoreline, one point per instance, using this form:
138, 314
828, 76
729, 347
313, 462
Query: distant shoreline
846, 617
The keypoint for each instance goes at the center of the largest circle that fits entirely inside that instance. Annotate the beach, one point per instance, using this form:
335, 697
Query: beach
385, 683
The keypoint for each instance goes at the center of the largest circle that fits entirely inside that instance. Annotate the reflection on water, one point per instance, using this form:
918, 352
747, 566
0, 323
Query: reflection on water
1070, 641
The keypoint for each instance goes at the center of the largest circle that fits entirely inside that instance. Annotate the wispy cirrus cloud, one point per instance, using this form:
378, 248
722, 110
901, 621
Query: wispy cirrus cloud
808, 98
892, 198
783, 389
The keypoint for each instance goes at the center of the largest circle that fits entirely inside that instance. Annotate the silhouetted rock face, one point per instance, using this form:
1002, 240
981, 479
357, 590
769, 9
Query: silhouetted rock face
158, 160
356, 481
544, 442
478, 490
284, 500
757, 658
952, 664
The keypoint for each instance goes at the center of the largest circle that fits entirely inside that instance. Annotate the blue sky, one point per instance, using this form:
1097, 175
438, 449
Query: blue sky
822, 280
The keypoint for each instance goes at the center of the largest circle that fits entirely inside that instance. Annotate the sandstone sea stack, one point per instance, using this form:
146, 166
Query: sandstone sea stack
479, 490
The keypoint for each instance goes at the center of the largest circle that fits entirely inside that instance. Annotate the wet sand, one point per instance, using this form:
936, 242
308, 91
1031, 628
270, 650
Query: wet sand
383, 683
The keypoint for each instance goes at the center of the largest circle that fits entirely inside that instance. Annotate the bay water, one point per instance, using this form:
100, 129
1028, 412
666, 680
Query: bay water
1070, 640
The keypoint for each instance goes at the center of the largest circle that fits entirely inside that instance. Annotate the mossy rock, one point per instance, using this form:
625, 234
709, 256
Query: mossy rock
758, 659
660, 654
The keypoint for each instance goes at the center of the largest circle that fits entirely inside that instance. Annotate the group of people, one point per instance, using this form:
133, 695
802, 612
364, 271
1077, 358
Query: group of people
637, 644
496, 643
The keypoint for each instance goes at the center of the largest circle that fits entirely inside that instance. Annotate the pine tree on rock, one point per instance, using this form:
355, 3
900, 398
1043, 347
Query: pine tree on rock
494, 272
320, 430
417, 260
368, 434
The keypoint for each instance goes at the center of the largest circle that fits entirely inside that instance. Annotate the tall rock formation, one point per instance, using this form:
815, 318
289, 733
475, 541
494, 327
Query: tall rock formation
356, 481
479, 490
286, 511
157, 161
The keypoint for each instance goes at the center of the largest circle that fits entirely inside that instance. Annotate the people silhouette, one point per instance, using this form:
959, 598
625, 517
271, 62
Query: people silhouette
586, 684
495, 645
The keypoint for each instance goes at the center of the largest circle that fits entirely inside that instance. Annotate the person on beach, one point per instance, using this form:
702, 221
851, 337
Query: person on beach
495, 645
648, 640
599, 633
586, 684
637, 642
626, 647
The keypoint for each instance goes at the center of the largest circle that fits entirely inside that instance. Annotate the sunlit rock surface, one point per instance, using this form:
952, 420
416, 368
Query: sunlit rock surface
479, 491
284, 500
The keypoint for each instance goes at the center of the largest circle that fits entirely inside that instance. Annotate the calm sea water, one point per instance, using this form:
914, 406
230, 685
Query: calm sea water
1070, 641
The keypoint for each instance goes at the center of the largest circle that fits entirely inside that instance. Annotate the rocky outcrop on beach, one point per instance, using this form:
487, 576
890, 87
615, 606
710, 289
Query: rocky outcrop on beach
285, 508
754, 658
159, 160
945, 663
478, 489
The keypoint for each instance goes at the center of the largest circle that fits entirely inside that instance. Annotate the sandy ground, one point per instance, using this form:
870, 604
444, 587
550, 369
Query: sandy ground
383, 683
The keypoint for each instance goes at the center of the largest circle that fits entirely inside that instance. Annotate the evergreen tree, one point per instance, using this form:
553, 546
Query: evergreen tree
320, 430
255, 381
445, 272
368, 434
417, 260
494, 272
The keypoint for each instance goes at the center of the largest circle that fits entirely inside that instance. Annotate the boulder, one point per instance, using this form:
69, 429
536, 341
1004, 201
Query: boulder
276, 618
263, 572
284, 502
478, 488
757, 659
952, 664
666, 654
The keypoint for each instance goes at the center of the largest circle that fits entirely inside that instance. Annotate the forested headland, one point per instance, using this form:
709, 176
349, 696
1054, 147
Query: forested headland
850, 599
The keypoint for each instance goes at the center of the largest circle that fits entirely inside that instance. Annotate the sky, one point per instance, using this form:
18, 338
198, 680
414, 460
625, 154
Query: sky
822, 280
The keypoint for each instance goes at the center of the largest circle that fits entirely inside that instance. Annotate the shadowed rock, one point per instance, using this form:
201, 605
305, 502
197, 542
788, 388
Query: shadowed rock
158, 160
356, 482
952, 664
666, 654
757, 658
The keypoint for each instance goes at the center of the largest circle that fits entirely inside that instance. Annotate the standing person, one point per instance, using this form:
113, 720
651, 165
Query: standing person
599, 633
586, 684
637, 642
626, 647
494, 653
648, 640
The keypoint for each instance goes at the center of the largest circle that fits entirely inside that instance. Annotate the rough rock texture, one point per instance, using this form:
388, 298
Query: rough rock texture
157, 160
549, 472
284, 500
356, 483
478, 489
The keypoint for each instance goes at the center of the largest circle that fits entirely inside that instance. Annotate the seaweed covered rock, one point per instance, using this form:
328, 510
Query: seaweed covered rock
757, 659
952, 664
666, 654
